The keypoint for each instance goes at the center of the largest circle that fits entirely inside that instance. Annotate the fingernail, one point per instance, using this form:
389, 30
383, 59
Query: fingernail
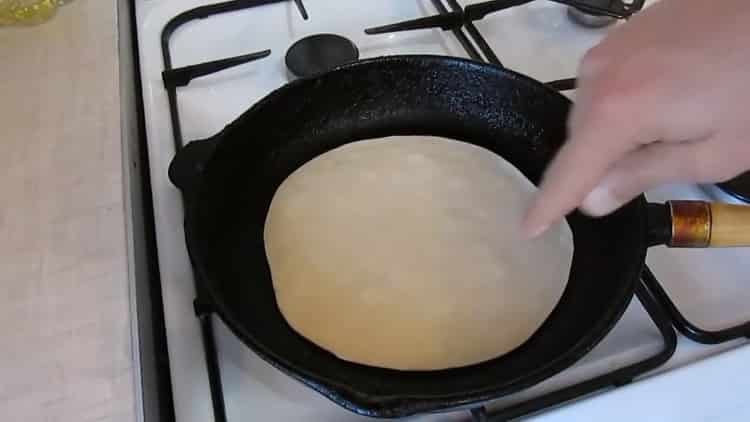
599, 202
531, 229
536, 231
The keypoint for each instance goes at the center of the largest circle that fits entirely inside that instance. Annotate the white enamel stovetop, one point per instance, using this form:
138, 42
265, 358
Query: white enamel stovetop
699, 383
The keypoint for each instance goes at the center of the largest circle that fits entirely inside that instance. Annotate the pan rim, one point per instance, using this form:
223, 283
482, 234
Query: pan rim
384, 405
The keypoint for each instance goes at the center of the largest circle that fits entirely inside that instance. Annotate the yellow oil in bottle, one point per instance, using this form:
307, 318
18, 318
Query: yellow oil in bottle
27, 12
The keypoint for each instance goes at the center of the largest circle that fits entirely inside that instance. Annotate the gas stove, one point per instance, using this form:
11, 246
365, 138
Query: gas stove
203, 63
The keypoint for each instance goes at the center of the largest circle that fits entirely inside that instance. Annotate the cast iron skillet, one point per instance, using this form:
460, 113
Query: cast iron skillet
228, 182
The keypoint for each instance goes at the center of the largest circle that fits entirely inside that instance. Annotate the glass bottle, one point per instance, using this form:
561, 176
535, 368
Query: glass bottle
28, 12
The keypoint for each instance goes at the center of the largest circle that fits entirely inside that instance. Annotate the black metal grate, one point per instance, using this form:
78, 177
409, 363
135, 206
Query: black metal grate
687, 328
460, 22
615, 378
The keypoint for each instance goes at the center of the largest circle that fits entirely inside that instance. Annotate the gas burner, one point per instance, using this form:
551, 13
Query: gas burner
319, 53
645, 334
589, 20
739, 187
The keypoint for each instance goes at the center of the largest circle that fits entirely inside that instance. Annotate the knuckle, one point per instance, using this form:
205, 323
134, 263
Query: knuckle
606, 105
613, 89
594, 61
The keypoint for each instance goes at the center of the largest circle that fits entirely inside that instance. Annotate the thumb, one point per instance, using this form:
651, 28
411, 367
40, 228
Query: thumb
650, 166
579, 166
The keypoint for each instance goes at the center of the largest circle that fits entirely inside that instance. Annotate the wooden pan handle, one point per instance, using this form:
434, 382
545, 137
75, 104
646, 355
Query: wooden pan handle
700, 224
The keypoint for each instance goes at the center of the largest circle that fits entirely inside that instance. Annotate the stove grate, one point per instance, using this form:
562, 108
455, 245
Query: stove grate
460, 21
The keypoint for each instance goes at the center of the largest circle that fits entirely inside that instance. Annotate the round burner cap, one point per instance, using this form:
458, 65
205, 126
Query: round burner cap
739, 187
319, 53
589, 20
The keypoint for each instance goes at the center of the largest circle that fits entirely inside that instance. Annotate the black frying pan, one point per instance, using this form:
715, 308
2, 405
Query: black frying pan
229, 181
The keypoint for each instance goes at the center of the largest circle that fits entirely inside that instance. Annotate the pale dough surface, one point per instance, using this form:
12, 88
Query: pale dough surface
405, 253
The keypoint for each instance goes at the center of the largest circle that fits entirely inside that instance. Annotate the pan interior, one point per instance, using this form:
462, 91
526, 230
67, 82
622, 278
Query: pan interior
415, 240
515, 117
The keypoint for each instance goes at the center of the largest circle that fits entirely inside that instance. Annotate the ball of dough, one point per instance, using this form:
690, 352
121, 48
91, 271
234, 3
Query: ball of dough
406, 253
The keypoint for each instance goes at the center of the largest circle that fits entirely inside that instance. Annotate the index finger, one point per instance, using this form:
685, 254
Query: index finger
594, 145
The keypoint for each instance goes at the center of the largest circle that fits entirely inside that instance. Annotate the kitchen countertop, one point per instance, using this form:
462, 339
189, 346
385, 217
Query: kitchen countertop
66, 340
65, 348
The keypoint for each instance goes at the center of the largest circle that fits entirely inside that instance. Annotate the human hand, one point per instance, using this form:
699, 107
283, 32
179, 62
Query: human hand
664, 98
